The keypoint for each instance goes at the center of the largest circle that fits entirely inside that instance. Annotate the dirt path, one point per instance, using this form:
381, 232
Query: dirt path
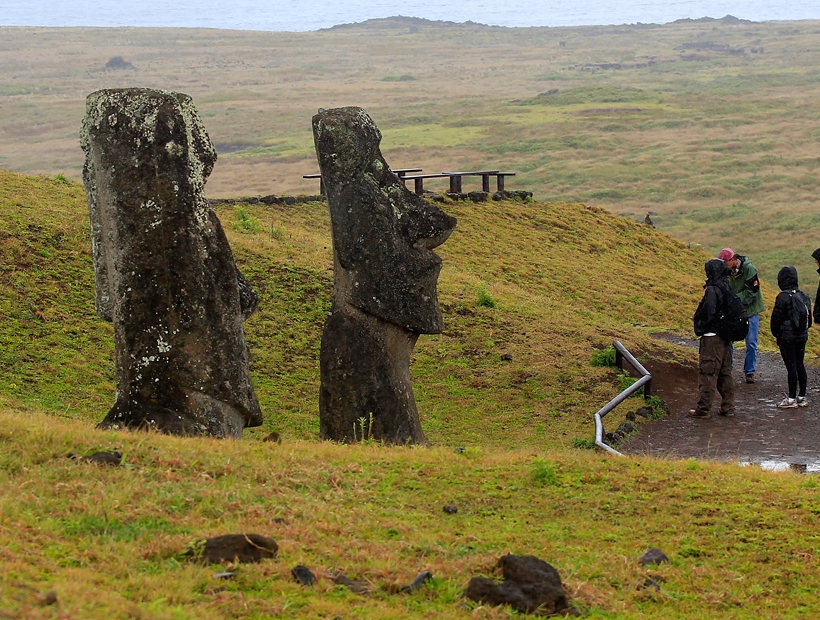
759, 432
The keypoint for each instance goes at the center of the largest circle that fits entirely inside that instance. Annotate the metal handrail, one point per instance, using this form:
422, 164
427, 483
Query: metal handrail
644, 381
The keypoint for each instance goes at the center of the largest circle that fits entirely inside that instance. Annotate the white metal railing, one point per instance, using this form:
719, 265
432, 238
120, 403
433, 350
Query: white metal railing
643, 382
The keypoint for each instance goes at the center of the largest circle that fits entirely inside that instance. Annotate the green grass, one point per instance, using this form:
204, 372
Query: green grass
108, 541
511, 438
589, 277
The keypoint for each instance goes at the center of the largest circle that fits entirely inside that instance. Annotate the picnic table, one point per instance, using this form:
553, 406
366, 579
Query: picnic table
399, 172
456, 180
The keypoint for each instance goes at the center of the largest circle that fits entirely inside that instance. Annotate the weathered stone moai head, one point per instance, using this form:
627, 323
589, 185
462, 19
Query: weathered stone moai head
385, 277
165, 274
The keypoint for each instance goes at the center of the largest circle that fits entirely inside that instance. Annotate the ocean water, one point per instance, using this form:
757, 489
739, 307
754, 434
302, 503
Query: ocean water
305, 15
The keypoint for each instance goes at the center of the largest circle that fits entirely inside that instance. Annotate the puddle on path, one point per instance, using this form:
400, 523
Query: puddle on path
798, 468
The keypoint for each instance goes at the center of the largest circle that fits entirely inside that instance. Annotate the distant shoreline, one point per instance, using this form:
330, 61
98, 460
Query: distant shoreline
316, 15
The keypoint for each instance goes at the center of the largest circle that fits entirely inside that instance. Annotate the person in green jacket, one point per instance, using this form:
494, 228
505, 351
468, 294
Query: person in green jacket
744, 281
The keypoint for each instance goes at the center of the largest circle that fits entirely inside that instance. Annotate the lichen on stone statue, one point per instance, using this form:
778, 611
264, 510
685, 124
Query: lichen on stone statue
165, 275
385, 284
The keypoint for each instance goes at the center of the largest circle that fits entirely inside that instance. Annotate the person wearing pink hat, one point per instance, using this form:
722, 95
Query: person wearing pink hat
745, 282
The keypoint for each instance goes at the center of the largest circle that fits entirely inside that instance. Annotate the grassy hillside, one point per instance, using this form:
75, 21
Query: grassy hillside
710, 125
107, 541
565, 278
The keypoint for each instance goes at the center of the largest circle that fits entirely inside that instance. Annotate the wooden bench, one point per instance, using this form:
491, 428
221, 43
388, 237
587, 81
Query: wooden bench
399, 172
456, 177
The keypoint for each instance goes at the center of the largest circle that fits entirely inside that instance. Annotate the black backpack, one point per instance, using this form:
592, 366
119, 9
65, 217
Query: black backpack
733, 323
800, 311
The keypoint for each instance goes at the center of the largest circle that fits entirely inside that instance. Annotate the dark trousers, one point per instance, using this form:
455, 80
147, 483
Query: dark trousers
715, 373
792, 354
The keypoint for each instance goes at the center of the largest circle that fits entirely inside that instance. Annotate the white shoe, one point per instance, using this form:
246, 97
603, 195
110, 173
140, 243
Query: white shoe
802, 401
787, 403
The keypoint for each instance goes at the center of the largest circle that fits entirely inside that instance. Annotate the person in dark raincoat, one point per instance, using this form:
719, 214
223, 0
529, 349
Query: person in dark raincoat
816, 256
715, 367
791, 338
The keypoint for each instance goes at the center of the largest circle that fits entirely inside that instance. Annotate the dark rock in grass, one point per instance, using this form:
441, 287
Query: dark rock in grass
357, 587
273, 437
102, 458
506, 357
478, 196
631, 416
247, 548
46, 599
384, 286
650, 584
165, 275
417, 583
530, 586
508, 195
644, 412
653, 555
625, 428
303, 575
450, 510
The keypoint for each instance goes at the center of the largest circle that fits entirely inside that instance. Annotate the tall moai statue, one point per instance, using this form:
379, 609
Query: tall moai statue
384, 284
165, 274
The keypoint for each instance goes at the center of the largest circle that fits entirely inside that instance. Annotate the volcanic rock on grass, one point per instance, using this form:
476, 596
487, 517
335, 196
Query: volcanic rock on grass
653, 555
102, 458
384, 287
357, 587
303, 575
530, 586
247, 548
165, 275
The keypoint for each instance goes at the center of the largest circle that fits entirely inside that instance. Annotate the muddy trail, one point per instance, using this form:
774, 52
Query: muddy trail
758, 433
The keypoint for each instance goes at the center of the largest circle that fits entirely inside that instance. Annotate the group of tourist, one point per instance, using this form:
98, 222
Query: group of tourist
730, 311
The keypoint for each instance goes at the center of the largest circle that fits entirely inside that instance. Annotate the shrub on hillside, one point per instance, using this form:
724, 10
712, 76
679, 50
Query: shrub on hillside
603, 357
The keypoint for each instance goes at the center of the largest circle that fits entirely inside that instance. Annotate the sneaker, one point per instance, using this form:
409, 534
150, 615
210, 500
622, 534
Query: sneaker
802, 401
750, 378
695, 414
787, 403
728, 414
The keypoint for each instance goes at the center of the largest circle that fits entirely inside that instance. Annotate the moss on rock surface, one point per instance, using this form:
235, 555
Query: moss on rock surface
165, 274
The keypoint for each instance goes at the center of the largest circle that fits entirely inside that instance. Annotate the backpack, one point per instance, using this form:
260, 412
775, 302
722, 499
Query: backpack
801, 308
733, 323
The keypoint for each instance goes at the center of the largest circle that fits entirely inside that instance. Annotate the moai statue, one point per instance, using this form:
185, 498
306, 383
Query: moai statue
165, 274
384, 285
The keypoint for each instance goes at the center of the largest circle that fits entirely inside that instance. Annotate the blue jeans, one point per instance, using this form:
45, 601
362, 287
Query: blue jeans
750, 363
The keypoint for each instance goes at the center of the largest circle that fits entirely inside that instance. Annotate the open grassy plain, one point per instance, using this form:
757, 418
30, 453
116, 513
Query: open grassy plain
712, 126
107, 541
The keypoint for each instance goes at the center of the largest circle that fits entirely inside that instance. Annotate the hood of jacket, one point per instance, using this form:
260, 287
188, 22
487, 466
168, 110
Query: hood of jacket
787, 278
716, 271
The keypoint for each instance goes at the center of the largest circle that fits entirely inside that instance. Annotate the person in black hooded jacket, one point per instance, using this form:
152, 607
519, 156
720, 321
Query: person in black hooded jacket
715, 367
790, 338
816, 256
